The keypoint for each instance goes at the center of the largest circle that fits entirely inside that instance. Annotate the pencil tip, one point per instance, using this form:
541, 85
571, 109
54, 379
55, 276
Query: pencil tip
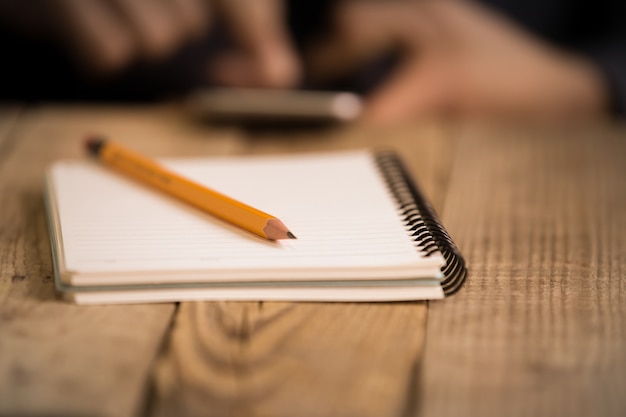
276, 230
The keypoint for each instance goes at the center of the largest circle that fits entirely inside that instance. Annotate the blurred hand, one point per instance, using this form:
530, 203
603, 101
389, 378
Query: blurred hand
458, 58
265, 56
106, 36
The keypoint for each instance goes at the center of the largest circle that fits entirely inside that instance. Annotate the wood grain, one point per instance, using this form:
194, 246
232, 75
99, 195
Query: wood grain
539, 329
281, 359
9, 117
305, 359
57, 358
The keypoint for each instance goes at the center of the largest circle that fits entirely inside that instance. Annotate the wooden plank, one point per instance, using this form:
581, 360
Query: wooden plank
306, 359
539, 329
57, 358
278, 358
9, 116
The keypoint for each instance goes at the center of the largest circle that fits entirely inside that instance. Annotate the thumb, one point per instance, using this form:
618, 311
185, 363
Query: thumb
418, 85
418, 89
258, 28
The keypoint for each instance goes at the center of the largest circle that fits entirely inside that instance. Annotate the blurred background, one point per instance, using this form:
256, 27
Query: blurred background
531, 59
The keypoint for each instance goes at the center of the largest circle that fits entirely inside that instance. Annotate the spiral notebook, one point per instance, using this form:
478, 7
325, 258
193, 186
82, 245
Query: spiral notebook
365, 233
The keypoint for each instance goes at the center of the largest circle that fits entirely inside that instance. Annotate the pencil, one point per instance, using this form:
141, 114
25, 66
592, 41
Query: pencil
152, 173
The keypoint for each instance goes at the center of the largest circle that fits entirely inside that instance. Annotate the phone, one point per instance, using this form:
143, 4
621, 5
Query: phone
242, 105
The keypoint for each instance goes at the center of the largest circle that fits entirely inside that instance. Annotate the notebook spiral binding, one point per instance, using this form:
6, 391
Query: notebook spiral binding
426, 228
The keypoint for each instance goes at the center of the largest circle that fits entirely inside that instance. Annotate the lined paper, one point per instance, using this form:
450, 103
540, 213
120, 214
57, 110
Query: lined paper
117, 231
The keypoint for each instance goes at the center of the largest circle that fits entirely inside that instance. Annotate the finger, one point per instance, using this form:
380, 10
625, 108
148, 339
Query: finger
193, 15
101, 41
258, 27
418, 90
157, 32
399, 27
235, 70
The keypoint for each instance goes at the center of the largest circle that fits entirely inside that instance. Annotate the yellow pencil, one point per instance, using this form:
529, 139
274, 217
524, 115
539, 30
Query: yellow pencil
150, 172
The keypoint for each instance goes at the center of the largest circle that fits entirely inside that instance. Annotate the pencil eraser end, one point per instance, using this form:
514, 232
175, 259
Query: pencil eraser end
93, 144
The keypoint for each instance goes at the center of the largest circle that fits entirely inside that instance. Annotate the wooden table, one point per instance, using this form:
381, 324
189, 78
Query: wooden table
538, 330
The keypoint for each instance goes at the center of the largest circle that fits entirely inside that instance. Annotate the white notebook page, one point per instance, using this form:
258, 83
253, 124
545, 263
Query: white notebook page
116, 230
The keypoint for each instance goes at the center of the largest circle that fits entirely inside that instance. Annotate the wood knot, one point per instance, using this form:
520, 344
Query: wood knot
17, 278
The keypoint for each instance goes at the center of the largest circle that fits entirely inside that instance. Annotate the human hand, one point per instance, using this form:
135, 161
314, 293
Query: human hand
265, 56
106, 36
458, 58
